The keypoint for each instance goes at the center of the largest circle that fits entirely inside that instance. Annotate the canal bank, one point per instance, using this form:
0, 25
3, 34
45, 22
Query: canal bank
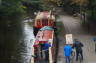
60, 32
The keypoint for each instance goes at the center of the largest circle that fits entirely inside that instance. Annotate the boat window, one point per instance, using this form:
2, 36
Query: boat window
38, 22
50, 22
44, 22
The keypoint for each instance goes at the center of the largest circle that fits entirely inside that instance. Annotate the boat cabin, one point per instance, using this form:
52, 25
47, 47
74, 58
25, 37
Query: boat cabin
44, 19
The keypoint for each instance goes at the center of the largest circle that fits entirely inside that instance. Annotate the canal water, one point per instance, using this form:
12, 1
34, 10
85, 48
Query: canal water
26, 44
16, 46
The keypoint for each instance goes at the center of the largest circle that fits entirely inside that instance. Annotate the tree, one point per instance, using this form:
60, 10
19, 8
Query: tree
32, 6
11, 12
81, 3
92, 9
9, 9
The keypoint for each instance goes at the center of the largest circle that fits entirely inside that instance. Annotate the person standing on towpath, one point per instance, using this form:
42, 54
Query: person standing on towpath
67, 52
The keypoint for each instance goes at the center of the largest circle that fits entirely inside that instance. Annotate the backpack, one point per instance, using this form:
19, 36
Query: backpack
79, 46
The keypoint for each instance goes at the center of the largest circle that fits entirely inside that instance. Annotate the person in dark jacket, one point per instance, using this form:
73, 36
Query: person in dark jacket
67, 52
78, 46
94, 39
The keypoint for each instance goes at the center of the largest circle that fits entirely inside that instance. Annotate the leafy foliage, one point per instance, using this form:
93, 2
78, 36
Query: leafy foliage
92, 10
33, 5
9, 9
80, 2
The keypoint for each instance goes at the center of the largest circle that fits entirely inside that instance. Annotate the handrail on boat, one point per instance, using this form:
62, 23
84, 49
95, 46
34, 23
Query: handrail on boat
50, 51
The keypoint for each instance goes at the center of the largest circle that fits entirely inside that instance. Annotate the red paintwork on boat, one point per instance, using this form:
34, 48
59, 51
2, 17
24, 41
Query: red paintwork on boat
44, 19
43, 37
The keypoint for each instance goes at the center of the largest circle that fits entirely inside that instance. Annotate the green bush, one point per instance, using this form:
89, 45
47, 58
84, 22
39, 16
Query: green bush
10, 9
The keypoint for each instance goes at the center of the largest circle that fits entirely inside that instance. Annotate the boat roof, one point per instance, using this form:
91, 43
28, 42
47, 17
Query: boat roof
46, 28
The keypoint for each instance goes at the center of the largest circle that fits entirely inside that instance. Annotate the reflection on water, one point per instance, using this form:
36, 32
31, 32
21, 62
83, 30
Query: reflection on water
16, 44
28, 37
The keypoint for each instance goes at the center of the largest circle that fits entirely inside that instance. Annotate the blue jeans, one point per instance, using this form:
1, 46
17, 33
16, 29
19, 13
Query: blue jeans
67, 59
47, 55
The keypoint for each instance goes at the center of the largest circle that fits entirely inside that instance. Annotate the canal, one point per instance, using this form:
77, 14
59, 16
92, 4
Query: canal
16, 44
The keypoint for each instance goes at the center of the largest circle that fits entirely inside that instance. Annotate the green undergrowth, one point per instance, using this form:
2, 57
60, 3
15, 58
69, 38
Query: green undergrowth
60, 28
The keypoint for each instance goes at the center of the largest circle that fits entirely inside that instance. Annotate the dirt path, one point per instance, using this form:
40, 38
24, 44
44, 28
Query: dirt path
72, 25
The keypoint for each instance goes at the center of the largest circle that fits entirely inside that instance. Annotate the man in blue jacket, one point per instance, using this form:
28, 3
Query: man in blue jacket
67, 50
